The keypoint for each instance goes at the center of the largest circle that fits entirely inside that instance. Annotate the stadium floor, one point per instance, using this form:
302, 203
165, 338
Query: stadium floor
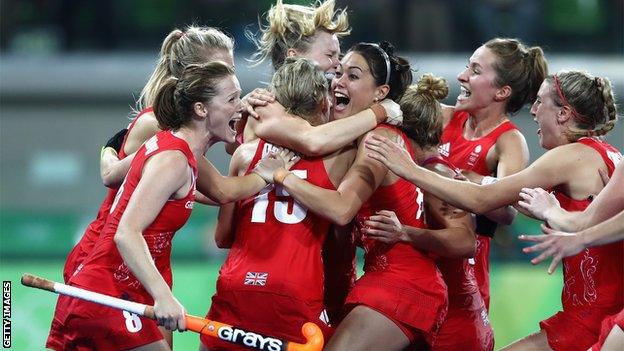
522, 296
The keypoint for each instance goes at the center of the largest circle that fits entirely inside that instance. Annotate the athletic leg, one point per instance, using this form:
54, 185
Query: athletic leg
533, 342
366, 329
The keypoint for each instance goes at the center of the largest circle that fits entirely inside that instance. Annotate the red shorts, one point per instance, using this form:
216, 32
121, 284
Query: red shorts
569, 331
405, 307
89, 326
265, 313
56, 338
607, 326
465, 329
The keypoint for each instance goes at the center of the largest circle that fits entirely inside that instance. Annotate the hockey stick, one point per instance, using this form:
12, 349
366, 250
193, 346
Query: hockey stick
225, 332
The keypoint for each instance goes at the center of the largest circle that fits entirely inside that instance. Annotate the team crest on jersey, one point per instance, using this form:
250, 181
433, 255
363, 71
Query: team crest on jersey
445, 149
256, 278
474, 155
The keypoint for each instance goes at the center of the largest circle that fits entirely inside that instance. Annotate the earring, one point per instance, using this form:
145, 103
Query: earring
375, 100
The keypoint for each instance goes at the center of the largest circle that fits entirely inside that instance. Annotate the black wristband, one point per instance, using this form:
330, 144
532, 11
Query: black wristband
117, 140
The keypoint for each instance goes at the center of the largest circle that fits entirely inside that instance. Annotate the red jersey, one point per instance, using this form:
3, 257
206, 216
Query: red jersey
471, 155
593, 279
275, 260
104, 270
91, 234
400, 275
466, 325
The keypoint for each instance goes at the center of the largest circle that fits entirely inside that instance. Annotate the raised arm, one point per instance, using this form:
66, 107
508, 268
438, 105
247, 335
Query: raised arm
164, 175
341, 205
544, 206
280, 128
553, 168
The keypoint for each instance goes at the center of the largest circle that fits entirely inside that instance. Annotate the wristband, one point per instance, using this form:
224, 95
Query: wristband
104, 148
488, 180
379, 111
280, 175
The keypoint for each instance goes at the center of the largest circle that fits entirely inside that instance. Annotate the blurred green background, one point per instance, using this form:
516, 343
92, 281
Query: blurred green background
70, 70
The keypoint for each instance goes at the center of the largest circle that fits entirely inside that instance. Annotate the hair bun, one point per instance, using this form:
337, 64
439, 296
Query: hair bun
387, 47
429, 84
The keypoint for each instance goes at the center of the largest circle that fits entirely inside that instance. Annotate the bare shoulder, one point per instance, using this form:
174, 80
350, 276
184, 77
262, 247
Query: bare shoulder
511, 139
447, 114
144, 128
242, 157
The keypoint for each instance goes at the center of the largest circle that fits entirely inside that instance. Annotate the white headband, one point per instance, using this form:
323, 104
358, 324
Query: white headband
386, 58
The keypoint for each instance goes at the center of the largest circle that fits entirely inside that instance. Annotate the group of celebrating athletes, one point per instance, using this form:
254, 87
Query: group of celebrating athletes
376, 161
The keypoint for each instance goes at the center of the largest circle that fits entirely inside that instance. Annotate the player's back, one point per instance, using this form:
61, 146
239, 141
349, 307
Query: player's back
277, 244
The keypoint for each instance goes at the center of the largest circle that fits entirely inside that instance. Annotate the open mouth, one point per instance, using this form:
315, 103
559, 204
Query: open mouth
342, 101
233, 122
464, 93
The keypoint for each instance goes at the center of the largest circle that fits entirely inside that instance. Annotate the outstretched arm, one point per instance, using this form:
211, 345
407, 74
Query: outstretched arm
278, 127
450, 231
544, 206
558, 244
549, 170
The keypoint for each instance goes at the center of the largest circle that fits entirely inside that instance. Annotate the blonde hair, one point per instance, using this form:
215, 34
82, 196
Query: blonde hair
591, 100
300, 87
422, 110
521, 67
294, 27
180, 49
173, 103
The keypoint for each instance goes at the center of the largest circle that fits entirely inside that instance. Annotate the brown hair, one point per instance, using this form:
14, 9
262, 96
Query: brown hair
294, 27
379, 58
173, 103
590, 98
300, 87
180, 49
520, 67
422, 111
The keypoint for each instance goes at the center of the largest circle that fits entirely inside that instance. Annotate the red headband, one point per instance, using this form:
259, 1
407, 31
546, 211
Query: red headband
580, 117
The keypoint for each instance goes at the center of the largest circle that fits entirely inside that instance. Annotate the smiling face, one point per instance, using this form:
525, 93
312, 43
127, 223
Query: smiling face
224, 110
547, 114
354, 86
477, 82
324, 50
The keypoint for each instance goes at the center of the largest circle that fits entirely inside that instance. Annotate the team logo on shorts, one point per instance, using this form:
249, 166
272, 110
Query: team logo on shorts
256, 278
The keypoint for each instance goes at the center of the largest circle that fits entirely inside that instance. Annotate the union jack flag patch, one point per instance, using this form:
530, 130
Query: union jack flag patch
256, 278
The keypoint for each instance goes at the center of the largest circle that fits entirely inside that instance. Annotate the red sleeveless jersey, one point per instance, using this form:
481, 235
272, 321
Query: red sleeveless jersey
91, 234
104, 270
593, 279
471, 155
277, 248
400, 275
458, 274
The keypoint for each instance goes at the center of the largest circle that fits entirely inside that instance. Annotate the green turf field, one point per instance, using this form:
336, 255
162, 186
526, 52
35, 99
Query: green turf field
521, 296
